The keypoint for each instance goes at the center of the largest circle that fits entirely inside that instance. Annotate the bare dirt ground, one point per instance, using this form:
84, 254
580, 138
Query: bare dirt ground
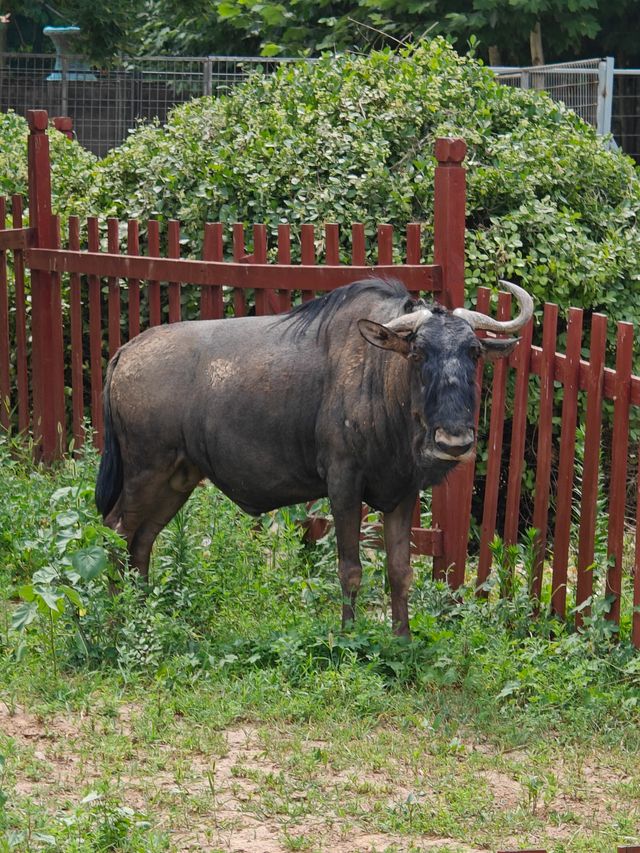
238, 795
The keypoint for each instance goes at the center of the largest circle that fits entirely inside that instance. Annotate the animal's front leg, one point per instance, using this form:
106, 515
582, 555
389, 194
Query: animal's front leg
347, 515
397, 540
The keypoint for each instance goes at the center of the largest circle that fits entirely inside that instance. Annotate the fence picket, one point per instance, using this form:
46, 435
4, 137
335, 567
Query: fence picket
75, 307
173, 287
22, 370
153, 287
5, 377
113, 284
518, 435
133, 284
494, 462
239, 256
385, 244
358, 245
619, 456
265, 299
545, 442
566, 463
211, 297
591, 466
307, 253
95, 335
284, 258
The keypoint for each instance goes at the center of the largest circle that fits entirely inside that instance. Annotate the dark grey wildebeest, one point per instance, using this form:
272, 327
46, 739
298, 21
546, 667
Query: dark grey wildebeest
361, 395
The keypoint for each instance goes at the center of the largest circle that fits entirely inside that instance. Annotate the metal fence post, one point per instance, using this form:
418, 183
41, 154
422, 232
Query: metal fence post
450, 511
46, 306
605, 95
207, 76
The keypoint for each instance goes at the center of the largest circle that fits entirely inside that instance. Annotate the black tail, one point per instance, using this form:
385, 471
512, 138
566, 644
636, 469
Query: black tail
109, 482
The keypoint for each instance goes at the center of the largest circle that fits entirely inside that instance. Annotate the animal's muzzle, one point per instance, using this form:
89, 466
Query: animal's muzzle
454, 445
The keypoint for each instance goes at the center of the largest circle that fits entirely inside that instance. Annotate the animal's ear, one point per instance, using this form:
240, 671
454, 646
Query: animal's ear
495, 348
380, 336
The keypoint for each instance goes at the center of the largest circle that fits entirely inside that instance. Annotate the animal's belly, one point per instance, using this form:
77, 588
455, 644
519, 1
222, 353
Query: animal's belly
262, 478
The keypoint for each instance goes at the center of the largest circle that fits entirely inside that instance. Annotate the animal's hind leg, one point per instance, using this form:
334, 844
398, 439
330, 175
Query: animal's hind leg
147, 504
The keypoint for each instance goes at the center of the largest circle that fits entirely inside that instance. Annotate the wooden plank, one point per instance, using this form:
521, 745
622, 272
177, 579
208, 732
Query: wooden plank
358, 245
211, 298
16, 238
635, 619
239, 275
494, 462
307, 255
414, 248
95, 336
5, 375
332, 243
591, 465
449, 218
173, 287
284, 259
545, 443
133, 284
456, 516
22, 372
113, 284
263, 298
75, 307
619, 460
148, 268
385, 245
522, 361
47, 364
239, 257
566, 464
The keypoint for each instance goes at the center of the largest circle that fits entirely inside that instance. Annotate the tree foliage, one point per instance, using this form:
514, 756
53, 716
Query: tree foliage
569, 28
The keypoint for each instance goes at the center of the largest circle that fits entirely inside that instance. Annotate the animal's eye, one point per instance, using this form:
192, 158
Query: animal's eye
475, 351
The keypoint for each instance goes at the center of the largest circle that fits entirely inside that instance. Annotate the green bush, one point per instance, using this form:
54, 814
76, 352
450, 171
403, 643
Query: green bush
351, 139
72, 167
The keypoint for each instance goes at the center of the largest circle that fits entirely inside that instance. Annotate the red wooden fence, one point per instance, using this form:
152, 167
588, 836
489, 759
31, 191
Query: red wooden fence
36, 383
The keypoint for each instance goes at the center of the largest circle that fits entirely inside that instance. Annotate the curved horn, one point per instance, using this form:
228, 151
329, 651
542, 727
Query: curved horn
408, 322
481, 321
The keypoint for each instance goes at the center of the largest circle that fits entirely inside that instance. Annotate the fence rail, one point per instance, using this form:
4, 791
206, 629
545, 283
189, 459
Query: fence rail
53, 352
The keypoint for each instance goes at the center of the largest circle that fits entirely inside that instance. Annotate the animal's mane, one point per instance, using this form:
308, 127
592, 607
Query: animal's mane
321, 311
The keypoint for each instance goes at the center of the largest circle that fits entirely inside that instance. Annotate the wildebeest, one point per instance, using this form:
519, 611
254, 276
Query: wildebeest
361, 395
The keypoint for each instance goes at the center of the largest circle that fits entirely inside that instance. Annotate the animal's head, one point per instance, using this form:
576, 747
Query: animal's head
443, 350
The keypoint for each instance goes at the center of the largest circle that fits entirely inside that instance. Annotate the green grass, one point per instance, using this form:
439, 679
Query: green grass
222, 706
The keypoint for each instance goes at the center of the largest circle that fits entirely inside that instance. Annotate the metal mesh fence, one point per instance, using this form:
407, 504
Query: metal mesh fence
626, 111
106, 103
577, 84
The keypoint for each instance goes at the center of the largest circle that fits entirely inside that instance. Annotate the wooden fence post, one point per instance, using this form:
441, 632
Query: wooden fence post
65, 125
46, 307
451, 506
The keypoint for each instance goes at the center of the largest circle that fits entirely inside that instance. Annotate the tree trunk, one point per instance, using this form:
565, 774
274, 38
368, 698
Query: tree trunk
535, 43
495, 57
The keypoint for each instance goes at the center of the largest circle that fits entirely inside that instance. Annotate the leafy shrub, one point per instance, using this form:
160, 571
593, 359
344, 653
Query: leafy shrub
351, 139
72, 167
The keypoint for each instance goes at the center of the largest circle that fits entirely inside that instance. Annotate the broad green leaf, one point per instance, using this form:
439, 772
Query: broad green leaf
51, 597
44, 575
67, 518
89, 562
23, 615
72, 594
